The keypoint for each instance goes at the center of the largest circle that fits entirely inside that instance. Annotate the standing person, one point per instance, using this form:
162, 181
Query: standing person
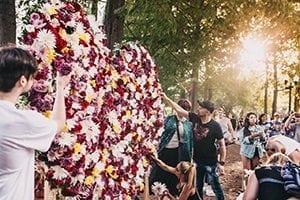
23, 131
293, 126
226, 126
176, 145
233, 122
207, 132
266, 183
275, 128
252, 137
265, 123
240, 123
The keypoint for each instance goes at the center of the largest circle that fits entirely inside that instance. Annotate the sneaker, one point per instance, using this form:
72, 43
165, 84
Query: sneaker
209, 192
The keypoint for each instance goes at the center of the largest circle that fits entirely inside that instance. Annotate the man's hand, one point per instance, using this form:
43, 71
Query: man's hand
221, 170
62, 81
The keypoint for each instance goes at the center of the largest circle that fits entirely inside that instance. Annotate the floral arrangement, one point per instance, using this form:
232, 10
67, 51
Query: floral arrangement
159, 189
113, 106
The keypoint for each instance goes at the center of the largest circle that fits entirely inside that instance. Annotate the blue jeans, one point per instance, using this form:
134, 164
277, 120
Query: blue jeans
212, 177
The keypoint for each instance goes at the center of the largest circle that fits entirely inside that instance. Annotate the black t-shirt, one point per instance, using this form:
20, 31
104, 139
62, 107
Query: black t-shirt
270, 183
205, 150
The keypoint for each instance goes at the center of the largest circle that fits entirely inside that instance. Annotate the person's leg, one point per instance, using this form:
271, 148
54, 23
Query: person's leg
200, 178
246, 166
255, 159
213, 179
254, 162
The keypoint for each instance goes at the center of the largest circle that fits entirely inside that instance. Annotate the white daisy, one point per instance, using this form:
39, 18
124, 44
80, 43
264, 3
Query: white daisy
66, 139
59, 173
47, 38
78, 178
92, 157
158, 188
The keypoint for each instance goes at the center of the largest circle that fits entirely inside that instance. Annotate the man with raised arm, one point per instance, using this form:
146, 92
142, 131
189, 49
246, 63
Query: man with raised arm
23, 131
207, 132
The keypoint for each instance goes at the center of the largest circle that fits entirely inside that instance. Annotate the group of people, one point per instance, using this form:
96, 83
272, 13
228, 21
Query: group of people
194, 138
192, 149
260, 137
206, 134
24, 131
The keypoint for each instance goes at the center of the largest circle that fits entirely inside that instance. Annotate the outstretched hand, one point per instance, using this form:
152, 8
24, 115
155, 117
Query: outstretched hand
164, 95
62, 80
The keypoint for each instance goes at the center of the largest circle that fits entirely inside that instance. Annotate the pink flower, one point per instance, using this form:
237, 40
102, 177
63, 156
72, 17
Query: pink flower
112, 107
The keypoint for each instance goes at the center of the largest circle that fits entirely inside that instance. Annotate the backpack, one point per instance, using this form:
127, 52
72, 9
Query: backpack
291, 177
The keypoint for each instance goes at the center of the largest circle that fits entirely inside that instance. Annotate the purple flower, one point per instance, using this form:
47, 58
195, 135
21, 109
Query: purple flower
34, 17
62, 66
40, 86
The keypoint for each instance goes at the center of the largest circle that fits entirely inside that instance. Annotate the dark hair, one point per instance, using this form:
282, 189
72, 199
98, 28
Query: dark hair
185, 104
14, 63
207, 104
260, 118
247, 124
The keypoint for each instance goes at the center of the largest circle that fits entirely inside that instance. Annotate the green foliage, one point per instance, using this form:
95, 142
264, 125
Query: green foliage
182, 35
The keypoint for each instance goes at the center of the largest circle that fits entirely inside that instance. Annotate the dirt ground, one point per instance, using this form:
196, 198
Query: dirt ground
232, 180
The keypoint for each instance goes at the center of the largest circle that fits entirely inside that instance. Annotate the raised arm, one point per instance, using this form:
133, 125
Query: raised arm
146, 194
59, 108
287, 123
164, 166
176, 107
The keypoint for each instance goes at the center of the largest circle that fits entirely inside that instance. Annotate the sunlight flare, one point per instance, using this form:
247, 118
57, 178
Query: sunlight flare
253, 53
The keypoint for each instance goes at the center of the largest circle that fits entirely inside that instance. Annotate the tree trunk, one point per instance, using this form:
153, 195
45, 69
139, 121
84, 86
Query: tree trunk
114, 24
297, 98
266, 90
275, 92
7, 22
194, 89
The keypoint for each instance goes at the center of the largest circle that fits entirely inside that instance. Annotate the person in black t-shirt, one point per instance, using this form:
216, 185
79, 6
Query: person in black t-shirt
207, 133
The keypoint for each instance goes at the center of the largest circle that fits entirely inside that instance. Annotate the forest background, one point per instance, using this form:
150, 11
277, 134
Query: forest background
243, 55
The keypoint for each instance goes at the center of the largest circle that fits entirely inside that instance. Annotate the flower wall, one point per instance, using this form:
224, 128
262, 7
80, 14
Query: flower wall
113, 104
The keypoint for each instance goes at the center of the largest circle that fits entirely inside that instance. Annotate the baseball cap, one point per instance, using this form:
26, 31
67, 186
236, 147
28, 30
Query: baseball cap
210, 106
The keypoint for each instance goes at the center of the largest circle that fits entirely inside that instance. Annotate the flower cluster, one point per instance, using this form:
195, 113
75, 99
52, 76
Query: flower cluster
159, 189
113, 106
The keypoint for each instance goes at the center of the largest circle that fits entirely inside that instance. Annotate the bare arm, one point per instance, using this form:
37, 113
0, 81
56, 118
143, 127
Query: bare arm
59, 108
164, 166
146, 194
222, 149
185, 193
176, 107
252, 188
222, 154
192, 176
287, 123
